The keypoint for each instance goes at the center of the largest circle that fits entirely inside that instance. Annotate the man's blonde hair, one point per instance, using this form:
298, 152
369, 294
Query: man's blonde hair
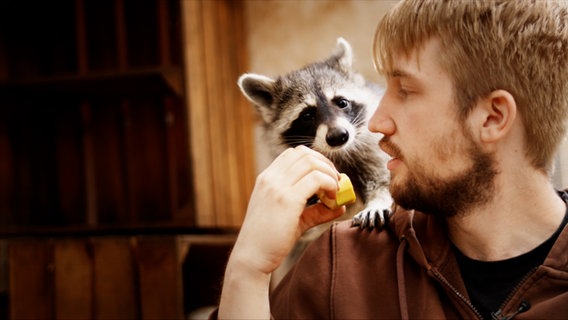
520, 46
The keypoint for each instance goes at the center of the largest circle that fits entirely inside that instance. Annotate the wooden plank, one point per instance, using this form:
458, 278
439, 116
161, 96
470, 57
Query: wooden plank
163, 18
6, 170
141, 33
216, 121
177, 133
175, 31
73, 279
4, 72
90, 173
245, 115
171, 159
101, 34
71, 177
81, 38
227, 79
21, 142
30, 265
148, 159
60, 48
198, 114
109, 153
121, 40
4, 285
114, 279
223, 159
160, 279
128, 140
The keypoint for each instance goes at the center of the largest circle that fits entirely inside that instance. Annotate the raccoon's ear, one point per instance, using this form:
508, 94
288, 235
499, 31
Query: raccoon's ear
259, 90
342, 57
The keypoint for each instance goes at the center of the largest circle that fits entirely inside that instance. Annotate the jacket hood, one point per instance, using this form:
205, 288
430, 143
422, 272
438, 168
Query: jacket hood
434, 253
430, 253
408, 225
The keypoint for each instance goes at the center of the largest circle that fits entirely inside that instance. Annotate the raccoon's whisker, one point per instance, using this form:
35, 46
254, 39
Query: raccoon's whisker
298, 140
359, 119
351, 156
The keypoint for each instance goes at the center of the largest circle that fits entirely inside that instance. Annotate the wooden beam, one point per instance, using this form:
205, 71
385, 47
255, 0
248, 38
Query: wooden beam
219, 129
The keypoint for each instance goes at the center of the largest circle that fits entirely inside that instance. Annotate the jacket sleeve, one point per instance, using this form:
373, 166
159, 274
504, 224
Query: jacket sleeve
305, 292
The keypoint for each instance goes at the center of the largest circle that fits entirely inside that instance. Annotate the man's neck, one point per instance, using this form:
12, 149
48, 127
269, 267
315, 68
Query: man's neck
520, 217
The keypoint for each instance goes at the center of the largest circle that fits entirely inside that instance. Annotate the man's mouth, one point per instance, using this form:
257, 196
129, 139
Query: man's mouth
393, 151
390, 148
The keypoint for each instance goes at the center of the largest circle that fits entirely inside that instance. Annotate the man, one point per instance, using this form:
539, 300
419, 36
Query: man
474, 111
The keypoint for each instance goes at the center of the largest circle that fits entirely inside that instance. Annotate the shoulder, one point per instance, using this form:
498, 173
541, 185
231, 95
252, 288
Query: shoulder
335, 267
361, 250
399, 223
343, 235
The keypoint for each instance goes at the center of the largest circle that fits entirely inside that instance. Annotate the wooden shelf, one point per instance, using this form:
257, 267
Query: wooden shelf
93, 116
144, 81
120, 230
117, 159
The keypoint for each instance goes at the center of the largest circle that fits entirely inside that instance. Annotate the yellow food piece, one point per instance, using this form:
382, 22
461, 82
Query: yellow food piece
345, 195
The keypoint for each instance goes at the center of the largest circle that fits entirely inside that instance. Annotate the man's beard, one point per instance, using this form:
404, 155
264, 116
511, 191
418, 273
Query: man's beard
446, 197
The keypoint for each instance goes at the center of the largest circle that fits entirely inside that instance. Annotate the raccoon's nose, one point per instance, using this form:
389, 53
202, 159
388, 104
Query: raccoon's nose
337, 137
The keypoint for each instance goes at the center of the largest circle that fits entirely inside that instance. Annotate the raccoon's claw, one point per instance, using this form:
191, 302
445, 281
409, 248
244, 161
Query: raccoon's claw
369, 219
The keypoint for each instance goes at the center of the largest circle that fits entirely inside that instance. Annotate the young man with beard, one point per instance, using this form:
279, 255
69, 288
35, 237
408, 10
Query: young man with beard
474, 111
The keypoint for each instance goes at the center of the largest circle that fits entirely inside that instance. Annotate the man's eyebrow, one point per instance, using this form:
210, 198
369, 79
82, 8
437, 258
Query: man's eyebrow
397, 73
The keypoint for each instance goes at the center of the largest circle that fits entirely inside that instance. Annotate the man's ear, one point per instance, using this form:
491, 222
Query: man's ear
496, 115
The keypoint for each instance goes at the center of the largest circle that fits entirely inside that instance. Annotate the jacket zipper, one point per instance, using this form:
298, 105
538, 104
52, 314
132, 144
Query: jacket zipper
445, 282
517, 287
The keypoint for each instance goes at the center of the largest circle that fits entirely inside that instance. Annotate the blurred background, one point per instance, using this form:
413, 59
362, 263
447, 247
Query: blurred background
127, 152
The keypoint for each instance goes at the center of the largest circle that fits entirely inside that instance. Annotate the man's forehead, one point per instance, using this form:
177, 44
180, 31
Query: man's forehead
409, 63
404, 67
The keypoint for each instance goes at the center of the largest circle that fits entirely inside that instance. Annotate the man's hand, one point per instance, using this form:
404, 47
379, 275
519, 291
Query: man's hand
276, 217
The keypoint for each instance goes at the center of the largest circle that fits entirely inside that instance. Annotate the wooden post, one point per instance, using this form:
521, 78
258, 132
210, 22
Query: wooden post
73, 277
160, 280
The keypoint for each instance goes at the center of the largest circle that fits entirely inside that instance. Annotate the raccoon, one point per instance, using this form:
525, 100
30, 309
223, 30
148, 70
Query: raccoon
326, 106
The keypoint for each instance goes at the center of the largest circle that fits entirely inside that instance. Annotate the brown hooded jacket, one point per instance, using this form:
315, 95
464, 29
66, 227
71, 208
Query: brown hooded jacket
406, 271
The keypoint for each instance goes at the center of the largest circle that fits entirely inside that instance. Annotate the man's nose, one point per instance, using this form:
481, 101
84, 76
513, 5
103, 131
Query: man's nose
381, 122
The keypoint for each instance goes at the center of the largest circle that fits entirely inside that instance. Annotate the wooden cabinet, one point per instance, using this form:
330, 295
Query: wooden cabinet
120, 121
93, 116
118, 113
115, 277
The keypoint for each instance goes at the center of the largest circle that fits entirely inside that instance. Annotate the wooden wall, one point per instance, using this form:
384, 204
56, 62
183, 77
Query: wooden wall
121, 128
95, 278
93, 123
134, 120
220, 119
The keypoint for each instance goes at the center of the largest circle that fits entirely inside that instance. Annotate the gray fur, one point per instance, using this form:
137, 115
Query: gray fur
280, 100
323, 87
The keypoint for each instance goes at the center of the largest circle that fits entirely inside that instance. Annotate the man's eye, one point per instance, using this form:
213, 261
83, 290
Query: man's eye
343, 103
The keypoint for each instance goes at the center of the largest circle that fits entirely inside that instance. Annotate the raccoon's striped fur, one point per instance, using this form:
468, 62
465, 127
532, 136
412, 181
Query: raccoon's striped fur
326, 106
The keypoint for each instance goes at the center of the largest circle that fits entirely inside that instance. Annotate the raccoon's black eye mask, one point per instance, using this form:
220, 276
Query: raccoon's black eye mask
308, 114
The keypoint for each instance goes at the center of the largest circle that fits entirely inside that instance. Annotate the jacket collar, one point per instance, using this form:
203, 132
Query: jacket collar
557, 258
425, 234
430, 247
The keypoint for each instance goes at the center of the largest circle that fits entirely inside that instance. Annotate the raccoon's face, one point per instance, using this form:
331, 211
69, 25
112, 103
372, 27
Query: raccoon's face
325, 106
325, 121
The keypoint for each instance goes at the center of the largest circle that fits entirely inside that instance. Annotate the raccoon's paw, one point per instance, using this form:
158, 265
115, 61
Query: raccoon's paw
376, 213
371, 218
